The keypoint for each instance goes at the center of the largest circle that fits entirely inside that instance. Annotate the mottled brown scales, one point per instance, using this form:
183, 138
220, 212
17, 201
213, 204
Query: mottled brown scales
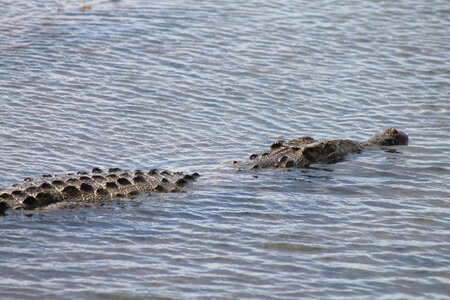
6, 196
111, 185
102, 192
90, 187
98, 178
44, 199
181, 182
123, 181
45, 186
31, 189
139, 179
159, 188
304, 151
133, 194
99, 185
18, 193
70, 191
30, 201
87, 188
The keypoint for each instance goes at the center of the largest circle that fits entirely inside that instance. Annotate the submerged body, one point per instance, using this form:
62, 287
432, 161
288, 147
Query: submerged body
97, 185
304, 151
90, 187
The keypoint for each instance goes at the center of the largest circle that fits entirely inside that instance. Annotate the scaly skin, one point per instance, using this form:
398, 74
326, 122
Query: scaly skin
97, 186
90, 187
283, 154
304, 151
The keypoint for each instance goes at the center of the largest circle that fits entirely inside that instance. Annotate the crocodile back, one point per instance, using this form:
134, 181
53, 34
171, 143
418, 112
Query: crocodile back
283, 154
89, 187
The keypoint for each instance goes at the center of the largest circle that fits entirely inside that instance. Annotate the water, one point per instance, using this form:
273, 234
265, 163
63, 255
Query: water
194, 85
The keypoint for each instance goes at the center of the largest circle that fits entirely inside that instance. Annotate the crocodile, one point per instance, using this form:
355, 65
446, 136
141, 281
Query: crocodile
304, 151
98, 185
90, 187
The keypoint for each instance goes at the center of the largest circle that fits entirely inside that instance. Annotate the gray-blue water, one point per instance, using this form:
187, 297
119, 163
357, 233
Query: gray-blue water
194, 85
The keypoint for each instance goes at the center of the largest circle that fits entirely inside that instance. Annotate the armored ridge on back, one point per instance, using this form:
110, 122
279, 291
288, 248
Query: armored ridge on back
98, 186
90, 187
304, 151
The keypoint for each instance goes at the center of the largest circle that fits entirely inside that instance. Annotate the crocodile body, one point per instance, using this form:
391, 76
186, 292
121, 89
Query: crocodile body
304, 151
98, 185
90, 187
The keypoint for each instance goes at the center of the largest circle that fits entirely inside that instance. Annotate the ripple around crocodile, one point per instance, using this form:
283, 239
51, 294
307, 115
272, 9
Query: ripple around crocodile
98, 185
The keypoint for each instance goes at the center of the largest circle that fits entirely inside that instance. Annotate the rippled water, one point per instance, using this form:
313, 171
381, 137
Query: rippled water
194, 85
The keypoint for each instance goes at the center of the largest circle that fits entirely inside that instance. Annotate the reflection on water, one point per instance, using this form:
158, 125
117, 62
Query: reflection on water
192, 86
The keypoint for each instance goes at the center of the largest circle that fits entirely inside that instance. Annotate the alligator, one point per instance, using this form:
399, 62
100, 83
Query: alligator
90, 187
304, 151
97, 185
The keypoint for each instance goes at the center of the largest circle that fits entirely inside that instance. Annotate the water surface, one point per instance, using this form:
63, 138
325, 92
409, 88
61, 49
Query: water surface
194, 85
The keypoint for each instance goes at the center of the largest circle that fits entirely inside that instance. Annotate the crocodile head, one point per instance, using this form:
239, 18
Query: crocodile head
389, 137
